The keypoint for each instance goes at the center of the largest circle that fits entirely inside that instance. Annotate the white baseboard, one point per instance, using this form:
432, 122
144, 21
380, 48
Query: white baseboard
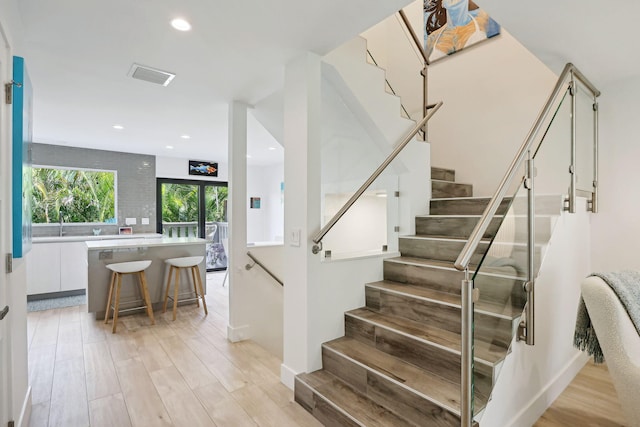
287, 376
237, 334
25, 412
539, 404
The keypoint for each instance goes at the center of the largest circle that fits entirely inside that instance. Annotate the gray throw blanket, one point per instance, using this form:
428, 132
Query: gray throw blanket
626, 285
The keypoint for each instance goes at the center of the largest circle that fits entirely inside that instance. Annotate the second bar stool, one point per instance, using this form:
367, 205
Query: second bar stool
177, 264
119, 269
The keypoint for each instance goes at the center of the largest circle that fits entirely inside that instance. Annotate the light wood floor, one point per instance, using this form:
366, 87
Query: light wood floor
182, 373
589, 401
185, 373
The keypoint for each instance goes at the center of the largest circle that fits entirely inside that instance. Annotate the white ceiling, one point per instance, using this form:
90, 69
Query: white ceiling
78, 54
598, 37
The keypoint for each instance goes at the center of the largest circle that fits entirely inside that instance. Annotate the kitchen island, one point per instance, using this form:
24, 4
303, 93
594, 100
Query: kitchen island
103, 252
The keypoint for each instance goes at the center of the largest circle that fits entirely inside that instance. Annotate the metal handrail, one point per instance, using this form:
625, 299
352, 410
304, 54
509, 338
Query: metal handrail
414, 36
255, 261
317, 238
463, 260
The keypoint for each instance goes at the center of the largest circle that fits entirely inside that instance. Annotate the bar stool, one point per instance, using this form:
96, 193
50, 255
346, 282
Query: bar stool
120, 269
178, 264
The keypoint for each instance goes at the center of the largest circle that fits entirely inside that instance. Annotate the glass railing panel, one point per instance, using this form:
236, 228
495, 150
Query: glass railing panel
584, 140
350, 154
501, 264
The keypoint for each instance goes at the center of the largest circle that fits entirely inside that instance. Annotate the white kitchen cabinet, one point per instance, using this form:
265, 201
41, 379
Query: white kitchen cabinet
43, 268
56, 267
73, 266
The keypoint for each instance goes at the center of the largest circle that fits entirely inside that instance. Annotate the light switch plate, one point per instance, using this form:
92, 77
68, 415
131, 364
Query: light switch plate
294, 237
144, 221
130, 221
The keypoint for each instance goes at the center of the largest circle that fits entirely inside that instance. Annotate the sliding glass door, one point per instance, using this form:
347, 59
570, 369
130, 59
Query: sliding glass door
187, 208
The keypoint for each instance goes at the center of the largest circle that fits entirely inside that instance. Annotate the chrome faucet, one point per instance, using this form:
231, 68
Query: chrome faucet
61, 224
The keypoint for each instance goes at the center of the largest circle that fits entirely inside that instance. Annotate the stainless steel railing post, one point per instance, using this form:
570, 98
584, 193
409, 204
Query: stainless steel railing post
573, 89
466, 357
594, 196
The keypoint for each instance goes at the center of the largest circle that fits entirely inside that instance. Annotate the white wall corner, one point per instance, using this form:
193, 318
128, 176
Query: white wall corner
240, 333
287, 376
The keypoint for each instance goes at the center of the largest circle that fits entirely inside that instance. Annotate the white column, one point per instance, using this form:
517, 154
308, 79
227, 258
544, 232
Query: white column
239, 328
302, 142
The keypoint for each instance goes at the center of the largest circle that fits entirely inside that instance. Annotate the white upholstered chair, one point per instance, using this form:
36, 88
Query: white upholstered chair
619, 341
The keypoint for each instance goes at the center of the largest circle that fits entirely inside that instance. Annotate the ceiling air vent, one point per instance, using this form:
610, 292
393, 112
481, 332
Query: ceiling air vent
151, 75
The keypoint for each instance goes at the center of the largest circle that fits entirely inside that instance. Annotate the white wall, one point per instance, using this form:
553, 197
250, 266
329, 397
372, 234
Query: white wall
262, 307
173, 167
492, 94
533, 376
616, 226
267, 223
13, 364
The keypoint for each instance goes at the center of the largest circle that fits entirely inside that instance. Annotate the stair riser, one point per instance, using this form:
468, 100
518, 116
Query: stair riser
443, 189
436, 249
434, 278
545, 205
431, 358
317, 406
385, 392
464, 207
444, 280
434, 359
487, 328
452, 226
443, 174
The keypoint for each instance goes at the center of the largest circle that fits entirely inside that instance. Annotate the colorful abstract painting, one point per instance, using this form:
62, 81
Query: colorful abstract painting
452, 25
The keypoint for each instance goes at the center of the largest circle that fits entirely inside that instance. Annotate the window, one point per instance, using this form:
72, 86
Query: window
73, 195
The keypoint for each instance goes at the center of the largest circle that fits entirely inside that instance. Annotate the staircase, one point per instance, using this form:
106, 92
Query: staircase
399, 361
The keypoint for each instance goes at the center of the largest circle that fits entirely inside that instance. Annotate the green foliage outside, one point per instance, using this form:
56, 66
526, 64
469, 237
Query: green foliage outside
77, 195
180, 203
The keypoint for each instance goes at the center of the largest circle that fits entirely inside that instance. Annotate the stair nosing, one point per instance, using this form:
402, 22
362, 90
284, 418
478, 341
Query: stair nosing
396, 382
442, 238
330, 402
422, 340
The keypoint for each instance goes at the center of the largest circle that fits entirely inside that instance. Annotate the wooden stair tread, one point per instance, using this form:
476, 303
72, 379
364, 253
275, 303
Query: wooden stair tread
433, 387
359, 408
450, 341
453, 300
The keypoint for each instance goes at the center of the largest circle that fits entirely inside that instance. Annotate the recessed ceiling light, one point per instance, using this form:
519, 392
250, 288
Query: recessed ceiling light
180, 24
169, 147
272, 148
118, 127
185, 137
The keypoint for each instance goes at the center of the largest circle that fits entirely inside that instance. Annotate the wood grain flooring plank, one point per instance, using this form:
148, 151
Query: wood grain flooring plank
222, 407
100, 372
142, 399
228, 374
41, 367
109, 411
182, 404
69, 340
263, 410
154, 357
69, 406
185, 360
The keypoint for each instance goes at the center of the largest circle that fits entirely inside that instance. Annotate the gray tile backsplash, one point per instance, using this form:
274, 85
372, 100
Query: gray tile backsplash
136, 185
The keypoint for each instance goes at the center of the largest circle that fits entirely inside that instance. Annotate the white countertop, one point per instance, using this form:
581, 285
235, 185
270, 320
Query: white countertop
59, 239
148, 242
